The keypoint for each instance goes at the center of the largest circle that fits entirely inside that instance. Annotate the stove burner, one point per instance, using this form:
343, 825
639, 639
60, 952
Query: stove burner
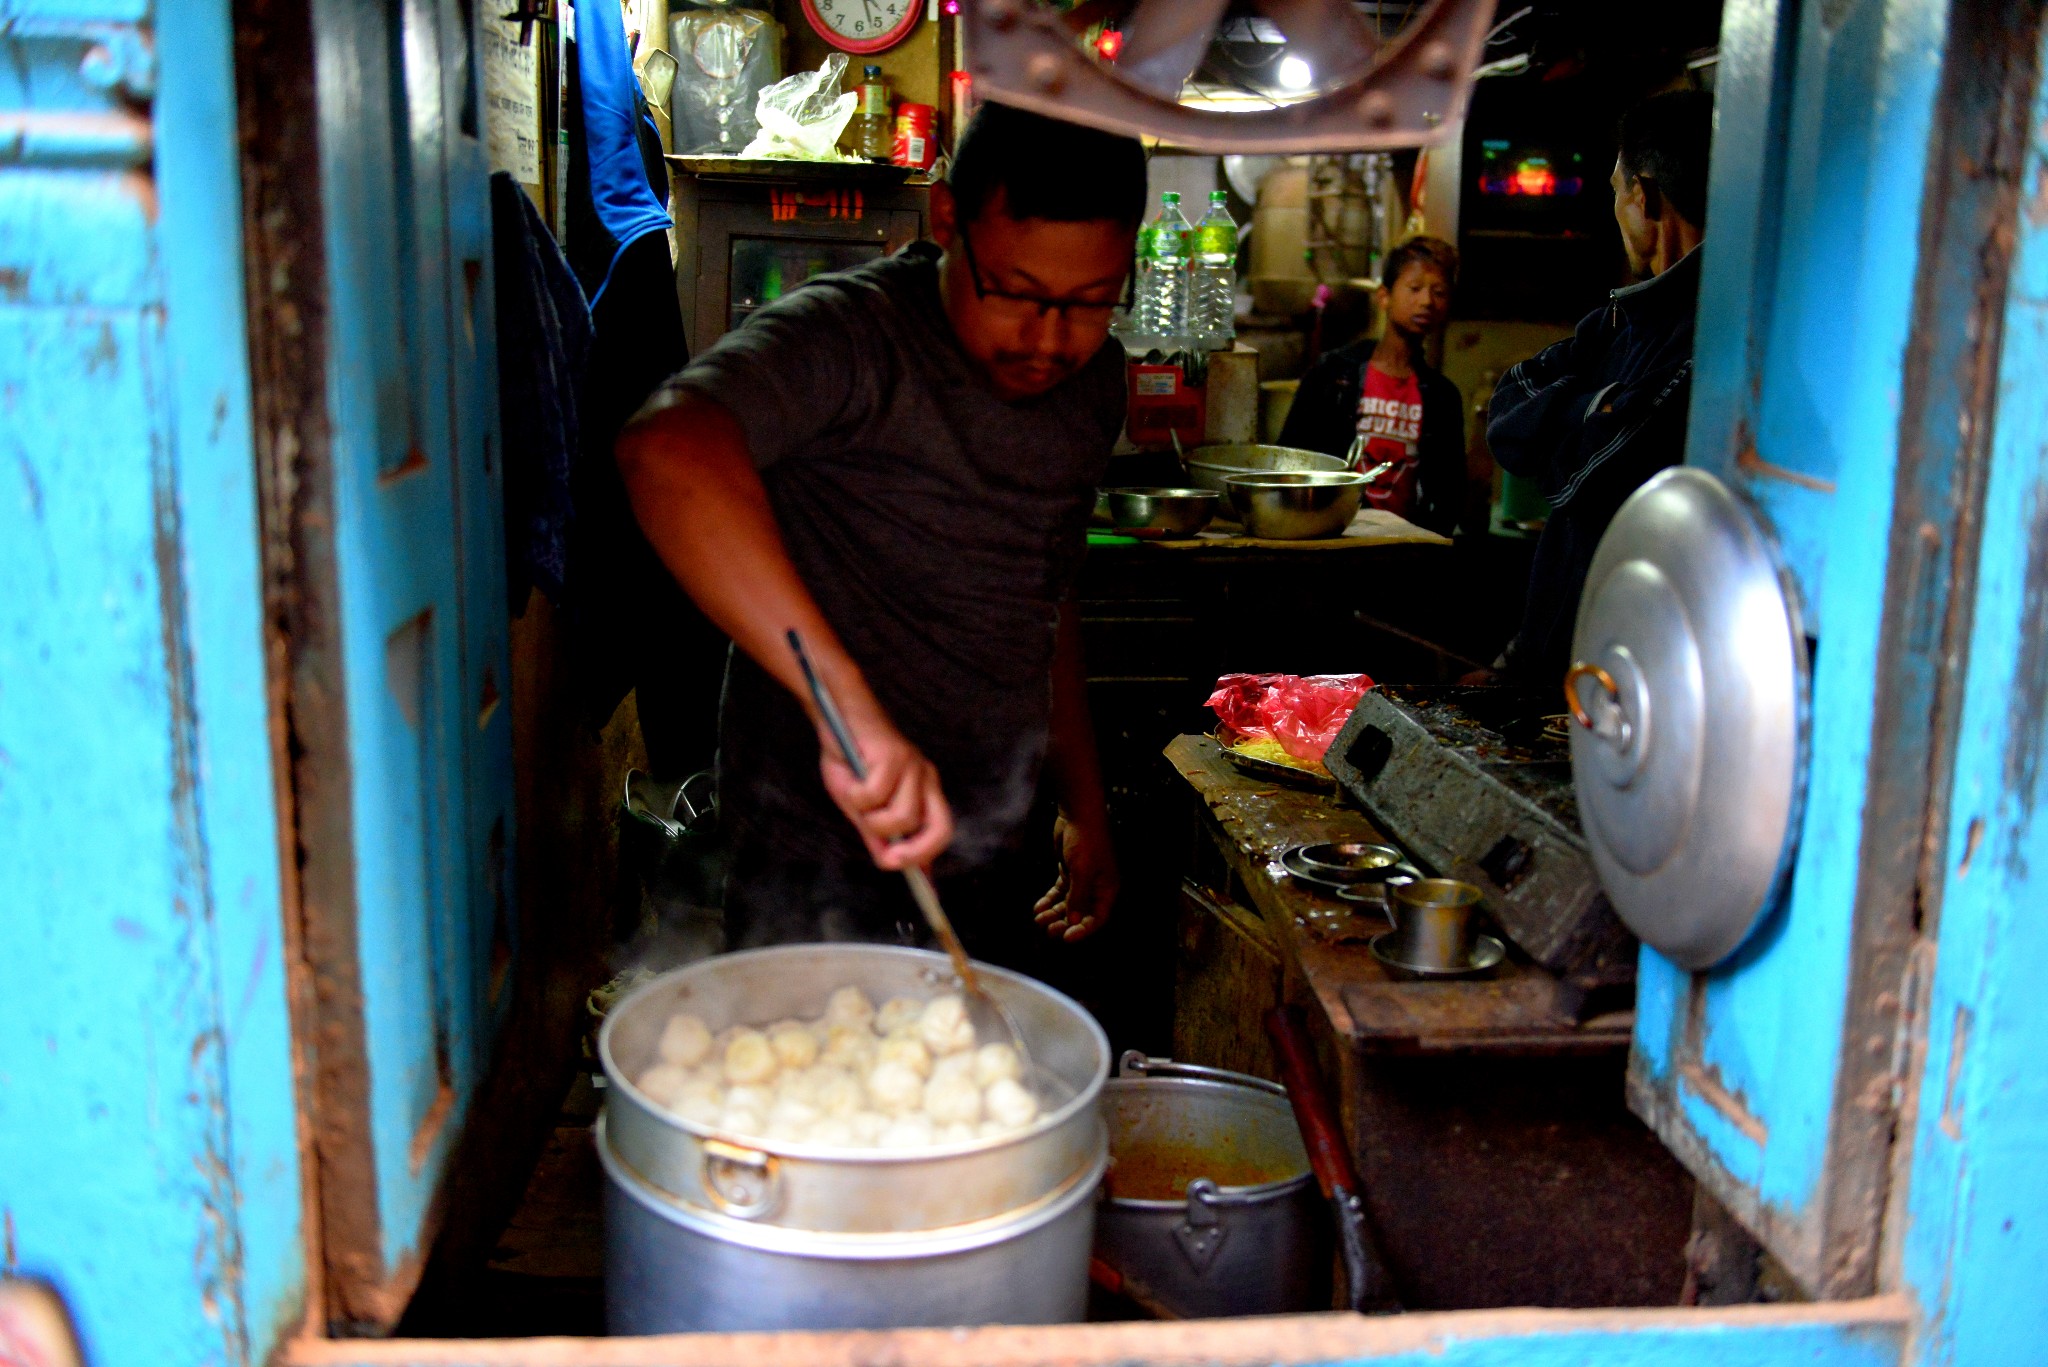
1468, 780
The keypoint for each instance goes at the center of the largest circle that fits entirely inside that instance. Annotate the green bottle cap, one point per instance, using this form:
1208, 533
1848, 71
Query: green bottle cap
1169, 197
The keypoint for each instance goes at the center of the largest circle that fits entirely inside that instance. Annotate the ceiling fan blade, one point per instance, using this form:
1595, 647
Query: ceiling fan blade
1164, 41
1330, 35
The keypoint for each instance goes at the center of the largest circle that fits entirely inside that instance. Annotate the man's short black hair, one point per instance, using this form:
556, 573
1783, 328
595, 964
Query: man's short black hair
1664, 143
1047, 168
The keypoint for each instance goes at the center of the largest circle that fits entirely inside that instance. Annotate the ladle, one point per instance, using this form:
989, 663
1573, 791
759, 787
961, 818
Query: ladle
990, 1019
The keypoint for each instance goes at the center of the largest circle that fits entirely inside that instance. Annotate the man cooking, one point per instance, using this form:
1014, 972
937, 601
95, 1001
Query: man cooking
898, 462
1593, 417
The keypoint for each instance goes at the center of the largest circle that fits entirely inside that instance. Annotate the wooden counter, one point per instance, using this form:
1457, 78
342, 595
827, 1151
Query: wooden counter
1496, 1152
1373, 528
1322, 942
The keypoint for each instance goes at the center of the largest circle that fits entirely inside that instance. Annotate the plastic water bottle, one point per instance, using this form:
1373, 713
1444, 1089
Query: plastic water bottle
1162, 308
1212, 276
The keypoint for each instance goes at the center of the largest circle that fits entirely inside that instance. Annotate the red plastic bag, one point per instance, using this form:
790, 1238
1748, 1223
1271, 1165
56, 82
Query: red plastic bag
1303, 714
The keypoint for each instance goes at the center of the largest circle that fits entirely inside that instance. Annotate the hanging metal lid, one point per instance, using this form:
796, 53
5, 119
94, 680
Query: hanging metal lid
1689, 696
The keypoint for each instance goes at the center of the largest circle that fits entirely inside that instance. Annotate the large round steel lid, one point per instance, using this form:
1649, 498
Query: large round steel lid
1688, 693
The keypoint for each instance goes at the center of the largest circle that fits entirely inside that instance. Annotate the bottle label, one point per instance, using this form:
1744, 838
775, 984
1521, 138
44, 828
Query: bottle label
874, 99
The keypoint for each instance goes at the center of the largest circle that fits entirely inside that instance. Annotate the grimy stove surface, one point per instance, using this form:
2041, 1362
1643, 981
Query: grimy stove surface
1500, 730
1466, 781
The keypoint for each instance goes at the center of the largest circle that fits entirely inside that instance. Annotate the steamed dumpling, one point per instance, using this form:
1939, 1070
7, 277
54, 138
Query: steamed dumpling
911, 1131
897, 1015
749, 1058
956, 1133
944, 1026
895, 1088
907, 1051
700, 1103
750, 1098
848, 1046
794, 1044
837, 1092
685, 1041
741, 1121
834, 1131
1009, 1104
994, 1062
790, 1121
849, 1006
953, 1098
663, 1083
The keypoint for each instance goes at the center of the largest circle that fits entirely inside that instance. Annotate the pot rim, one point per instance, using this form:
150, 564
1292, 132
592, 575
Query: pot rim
1047, 1121
1083, 1184
1225, 1196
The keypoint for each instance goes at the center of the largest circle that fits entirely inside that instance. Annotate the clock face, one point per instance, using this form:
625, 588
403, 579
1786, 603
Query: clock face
863, 25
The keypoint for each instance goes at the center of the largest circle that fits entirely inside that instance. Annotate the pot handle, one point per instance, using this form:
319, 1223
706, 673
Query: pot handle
1135, 1063
743, 1183
1200, 1233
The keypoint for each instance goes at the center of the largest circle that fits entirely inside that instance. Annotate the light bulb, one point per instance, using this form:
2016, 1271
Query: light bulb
1295, 73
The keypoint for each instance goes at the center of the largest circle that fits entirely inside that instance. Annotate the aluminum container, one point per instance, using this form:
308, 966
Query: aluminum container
1297, 506
1174, 512
1210, 466
672, 1269
1247, 1249
837, 1191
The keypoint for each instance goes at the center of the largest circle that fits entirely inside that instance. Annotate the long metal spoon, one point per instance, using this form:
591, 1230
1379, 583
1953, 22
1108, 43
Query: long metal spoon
990, 1019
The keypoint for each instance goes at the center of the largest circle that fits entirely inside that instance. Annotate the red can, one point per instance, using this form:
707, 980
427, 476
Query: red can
917, 145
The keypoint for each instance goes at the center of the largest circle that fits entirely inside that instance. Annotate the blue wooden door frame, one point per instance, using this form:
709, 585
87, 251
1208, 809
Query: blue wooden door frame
149, 1145
1870, 161
372, 346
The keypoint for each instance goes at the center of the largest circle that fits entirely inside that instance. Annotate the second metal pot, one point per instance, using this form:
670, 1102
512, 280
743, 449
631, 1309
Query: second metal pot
1255, 1242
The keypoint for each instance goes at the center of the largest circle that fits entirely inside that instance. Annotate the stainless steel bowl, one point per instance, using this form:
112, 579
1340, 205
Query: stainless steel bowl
1210, 466
1350, 861
1296, 507
1178, 512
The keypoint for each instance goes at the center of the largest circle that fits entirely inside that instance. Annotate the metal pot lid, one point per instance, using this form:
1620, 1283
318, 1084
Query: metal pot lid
1688, 694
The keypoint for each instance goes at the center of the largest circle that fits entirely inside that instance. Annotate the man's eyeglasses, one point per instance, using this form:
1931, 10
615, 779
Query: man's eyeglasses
1084, 312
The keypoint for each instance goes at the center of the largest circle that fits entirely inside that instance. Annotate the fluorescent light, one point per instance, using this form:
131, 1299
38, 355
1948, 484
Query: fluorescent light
1295, 73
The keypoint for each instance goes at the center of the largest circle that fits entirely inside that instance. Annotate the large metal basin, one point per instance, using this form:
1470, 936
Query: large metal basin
671, 1269
836, 1191
1210, 466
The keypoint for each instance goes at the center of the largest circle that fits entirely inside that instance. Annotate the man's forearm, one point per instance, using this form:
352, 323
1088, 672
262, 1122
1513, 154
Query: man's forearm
1077, 769
703, 508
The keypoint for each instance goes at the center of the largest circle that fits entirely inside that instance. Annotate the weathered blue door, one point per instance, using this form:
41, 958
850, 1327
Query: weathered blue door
374, 366
1869, 157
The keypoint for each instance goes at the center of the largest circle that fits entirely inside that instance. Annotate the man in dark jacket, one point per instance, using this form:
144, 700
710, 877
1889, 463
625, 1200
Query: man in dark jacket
1594, 416
1380, 402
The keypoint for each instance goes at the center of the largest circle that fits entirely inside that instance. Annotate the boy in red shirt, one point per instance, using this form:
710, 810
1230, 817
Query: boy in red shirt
1380, 402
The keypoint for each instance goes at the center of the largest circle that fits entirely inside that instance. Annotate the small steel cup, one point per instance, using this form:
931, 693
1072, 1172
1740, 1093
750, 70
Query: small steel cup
1434, 919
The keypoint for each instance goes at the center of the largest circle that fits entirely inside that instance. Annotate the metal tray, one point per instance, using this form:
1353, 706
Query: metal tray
1268, 771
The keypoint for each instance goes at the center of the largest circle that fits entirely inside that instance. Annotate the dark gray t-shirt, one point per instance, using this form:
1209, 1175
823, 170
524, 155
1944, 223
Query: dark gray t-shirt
938, 527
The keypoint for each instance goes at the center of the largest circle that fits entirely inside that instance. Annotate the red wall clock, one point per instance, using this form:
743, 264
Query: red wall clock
863, 26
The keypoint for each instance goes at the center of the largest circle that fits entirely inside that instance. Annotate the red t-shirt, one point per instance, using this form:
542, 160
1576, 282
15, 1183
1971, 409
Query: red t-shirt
1390, 421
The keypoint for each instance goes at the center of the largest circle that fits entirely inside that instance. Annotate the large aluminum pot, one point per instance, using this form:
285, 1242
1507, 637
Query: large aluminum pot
671, 1269
1255, 1242
833, 1191
1210, 466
